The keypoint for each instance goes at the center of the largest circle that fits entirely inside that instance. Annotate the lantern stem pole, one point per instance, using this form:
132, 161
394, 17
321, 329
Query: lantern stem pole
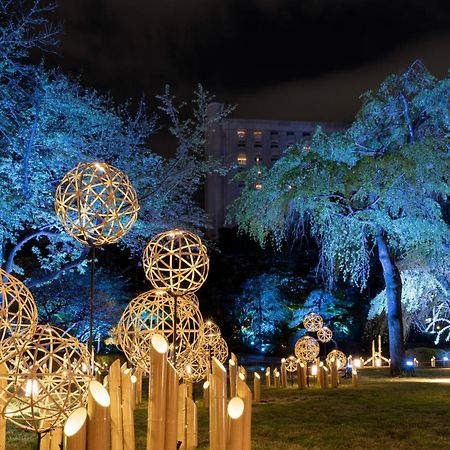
39, 437
175, 330
91, 305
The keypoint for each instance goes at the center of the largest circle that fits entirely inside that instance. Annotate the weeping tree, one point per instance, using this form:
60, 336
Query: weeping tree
376, 189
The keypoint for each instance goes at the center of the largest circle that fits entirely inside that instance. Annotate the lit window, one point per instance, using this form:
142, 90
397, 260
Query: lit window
257, 135
241, 133
242, 159
258, 185
258, 159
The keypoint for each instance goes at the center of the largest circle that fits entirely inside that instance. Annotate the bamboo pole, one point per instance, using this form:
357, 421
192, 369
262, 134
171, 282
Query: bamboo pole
245, 393
334, 374
234, 358
191, 424
129, 440
354, 377
267, 374
277, 379
115, 393
235, 424
283, 373
170, 436
98, 429
157, 395
133, 390
75, 430
257, 387
243, 371
3, 384
206, 394
45, 441
181, 421
138, 374
218, 407
301, 375
56, 438
233, 377
324, 377
373, 353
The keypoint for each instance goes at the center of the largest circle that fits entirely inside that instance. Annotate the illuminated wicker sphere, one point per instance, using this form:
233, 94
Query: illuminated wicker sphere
291, 364
194, 365
48, 379
211, 333
307, 349
313, 322
176, 260
18, 311
219, 350
96, 203
324, 334
340, 356
154, 312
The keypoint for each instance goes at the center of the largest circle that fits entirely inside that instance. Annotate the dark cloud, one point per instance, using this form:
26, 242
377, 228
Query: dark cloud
275, 57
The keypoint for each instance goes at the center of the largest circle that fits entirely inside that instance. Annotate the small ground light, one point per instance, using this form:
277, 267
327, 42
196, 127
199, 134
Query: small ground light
357, 363
410, 363
314, 370
445, 358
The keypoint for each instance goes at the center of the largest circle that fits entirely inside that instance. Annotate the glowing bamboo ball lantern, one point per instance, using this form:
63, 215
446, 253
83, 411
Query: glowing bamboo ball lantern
220, 350
176, 261
313, 322
338, 356
211, 333
291, 364
194, 365
307, 349
324, 335
96, 203
49, 378
152, 313
18, 310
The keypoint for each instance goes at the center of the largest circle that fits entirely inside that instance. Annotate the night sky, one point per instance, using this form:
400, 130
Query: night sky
277, 59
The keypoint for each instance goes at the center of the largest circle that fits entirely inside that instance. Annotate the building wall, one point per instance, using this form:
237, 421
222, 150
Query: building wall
245, 143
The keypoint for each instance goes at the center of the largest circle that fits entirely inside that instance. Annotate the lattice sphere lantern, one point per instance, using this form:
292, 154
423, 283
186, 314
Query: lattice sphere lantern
48, 379
220, 350
313, 322
154, 312
177, 261
339, 356
291, 364
18, 310
194, 365
324, 335
307, 349
96, 203
211, 334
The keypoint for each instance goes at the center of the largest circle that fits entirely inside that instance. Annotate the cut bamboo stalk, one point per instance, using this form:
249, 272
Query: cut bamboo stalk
75, 430
283, 373
301, 375
138, 386
218, 409
133, 391
257, 387
206, 394
334, 373
157, 393
191, 424
129, 440
277, 379
233, 377
234, 358
170, 436
354, 377
181, 423
56, 437
235, 424
115, 393
267, 377
98, 429
105, 382
243, 371
45, 441
324, 377
245, 393
3, 384
189, 389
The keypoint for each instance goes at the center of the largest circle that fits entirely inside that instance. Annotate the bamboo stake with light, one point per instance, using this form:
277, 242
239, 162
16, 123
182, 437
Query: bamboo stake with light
233, 377
354, 377
3, 385
283, 373
75, 430
245, 393
181, 423
157, 393
235, 424
206, 394
334, 373
301, 375
133, 379
218, 407
138, 374
98, 429
170, 436
267, 374
129, 440
56, 438
277, 379
115, 393
191, 424
257, 387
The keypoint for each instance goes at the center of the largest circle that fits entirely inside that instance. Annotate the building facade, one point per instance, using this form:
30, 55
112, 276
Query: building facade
245, 143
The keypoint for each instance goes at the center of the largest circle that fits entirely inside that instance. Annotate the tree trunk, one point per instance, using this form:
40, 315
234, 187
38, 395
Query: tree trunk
393, 283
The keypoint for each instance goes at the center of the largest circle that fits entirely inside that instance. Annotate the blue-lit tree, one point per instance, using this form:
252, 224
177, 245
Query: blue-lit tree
376, 189
50, 122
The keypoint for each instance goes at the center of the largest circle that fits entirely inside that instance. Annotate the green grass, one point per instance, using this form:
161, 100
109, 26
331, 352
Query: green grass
382, 413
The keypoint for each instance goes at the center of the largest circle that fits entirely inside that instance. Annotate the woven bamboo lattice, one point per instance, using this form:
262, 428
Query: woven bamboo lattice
307, 349
219, 350
96, 203
211, 334
177, 261
194, 365
324, 334
313, 322
154, 312
291, 364
18, 311
339, 356
48, 379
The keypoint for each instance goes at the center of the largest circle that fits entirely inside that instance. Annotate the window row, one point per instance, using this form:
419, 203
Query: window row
242, 159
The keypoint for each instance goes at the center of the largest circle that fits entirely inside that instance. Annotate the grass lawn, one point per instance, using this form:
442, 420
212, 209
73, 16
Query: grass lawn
382, 413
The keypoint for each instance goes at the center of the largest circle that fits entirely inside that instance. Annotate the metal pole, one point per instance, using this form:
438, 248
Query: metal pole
91, 306
175, 331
